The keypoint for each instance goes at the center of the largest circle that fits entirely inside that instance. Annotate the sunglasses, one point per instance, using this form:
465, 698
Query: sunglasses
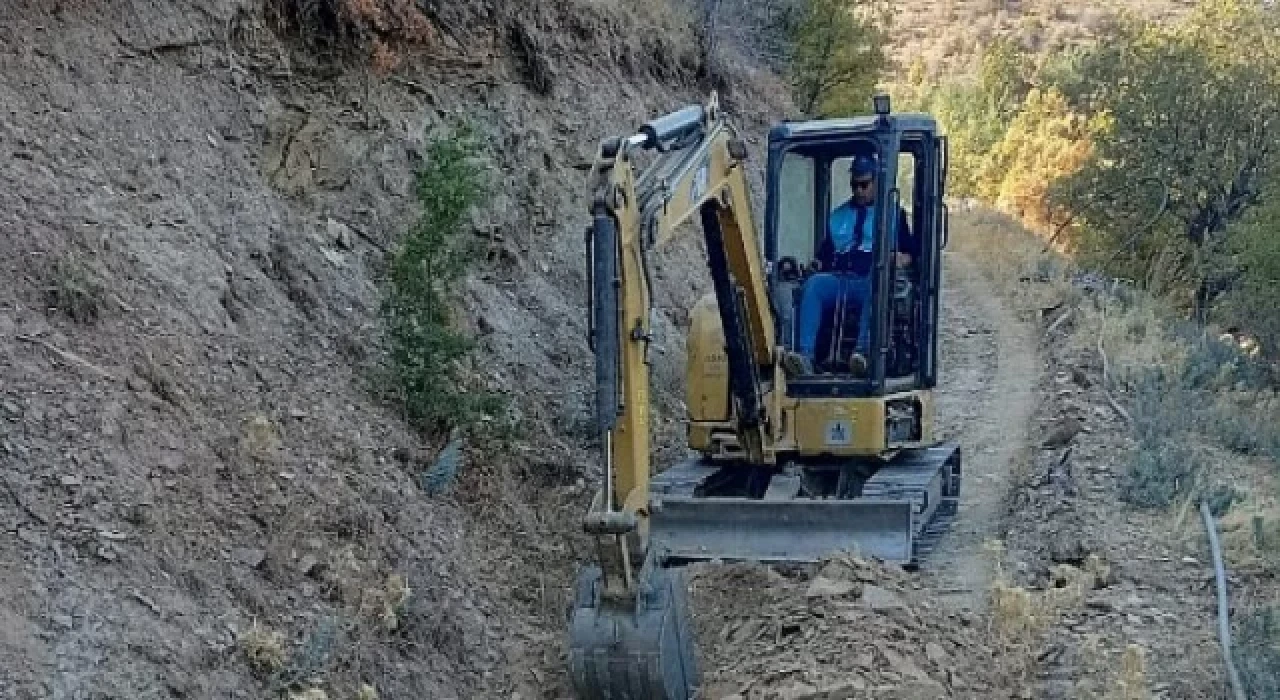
862, 184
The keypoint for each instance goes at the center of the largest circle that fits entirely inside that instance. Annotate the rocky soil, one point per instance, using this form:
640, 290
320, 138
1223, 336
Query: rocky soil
201, 495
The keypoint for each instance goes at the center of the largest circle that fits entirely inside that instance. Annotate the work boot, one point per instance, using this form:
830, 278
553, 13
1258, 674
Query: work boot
857, 365
796, 365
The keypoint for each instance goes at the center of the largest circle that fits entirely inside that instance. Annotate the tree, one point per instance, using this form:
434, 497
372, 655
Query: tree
976, 116
1044, 142
1004, 77
1253, 252
838, 56
1193, 121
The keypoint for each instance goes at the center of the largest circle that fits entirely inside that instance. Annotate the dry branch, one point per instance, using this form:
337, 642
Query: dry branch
68, 356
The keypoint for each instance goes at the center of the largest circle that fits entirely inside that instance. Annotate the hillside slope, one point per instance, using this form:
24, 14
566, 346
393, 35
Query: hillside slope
196, 477
948, 38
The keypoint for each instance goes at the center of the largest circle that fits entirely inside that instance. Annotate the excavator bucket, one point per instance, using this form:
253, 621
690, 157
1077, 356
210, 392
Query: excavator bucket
641, 649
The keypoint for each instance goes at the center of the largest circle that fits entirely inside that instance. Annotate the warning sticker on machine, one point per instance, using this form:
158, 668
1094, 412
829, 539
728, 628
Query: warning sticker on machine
839, 432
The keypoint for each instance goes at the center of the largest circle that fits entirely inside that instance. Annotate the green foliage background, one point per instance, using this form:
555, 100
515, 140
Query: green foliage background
1152, 155
838, 55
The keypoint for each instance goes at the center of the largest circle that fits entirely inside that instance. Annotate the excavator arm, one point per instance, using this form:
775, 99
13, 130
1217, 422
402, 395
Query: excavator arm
696, 168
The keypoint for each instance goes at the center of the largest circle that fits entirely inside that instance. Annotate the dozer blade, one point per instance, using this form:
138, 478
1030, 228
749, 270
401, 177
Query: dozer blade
798, 530
700, 512
638, 651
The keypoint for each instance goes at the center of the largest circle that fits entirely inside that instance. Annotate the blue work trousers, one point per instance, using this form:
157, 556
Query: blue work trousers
821, 294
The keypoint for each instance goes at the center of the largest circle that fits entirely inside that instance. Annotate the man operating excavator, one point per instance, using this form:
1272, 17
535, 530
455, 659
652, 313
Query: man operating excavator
843, 261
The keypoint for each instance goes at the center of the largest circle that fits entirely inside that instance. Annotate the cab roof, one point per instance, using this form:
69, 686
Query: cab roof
851, 126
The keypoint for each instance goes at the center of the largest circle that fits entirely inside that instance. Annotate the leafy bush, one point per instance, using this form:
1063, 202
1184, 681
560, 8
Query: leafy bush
428, 263
1163, 466
1161, 471
1212, 364
1253, 254
1176, 406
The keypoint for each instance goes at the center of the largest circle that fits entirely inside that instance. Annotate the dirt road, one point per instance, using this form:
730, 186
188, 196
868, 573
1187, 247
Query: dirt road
986, 399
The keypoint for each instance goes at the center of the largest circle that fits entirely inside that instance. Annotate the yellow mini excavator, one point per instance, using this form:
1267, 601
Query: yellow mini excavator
795, 460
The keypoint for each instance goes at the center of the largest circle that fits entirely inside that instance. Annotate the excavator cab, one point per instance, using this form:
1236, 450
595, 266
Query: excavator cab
807, 179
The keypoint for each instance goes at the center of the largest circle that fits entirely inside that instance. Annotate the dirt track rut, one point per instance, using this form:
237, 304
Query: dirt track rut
986, 399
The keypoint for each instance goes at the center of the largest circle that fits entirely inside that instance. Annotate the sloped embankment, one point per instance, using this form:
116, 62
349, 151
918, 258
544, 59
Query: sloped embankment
201, 498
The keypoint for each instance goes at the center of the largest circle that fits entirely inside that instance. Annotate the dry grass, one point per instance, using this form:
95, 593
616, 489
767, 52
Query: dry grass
263, 649
386, 603
1132, 681
261, 439
1029, 277
1020, 618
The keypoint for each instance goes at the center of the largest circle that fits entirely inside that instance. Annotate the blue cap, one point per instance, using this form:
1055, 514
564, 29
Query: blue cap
862, 165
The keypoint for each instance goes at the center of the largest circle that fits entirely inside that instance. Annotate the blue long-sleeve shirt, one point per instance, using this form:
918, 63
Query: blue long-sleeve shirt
847, 250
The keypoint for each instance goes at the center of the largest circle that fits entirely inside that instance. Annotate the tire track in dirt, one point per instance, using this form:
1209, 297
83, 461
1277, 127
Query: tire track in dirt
986, 399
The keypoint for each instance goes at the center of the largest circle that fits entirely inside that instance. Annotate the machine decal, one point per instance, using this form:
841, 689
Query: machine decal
698, 187
839, 432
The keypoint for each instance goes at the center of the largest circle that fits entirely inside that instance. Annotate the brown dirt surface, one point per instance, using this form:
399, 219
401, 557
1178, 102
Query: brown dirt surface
853, 629
201, 496
990, 366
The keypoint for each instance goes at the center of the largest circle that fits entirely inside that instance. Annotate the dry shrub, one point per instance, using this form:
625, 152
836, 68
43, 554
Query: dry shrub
378, 29
1020, 618
383, 58
263, 649
386, 603
1251, 534
1135, 337
76, 290
398, 19
261, 440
